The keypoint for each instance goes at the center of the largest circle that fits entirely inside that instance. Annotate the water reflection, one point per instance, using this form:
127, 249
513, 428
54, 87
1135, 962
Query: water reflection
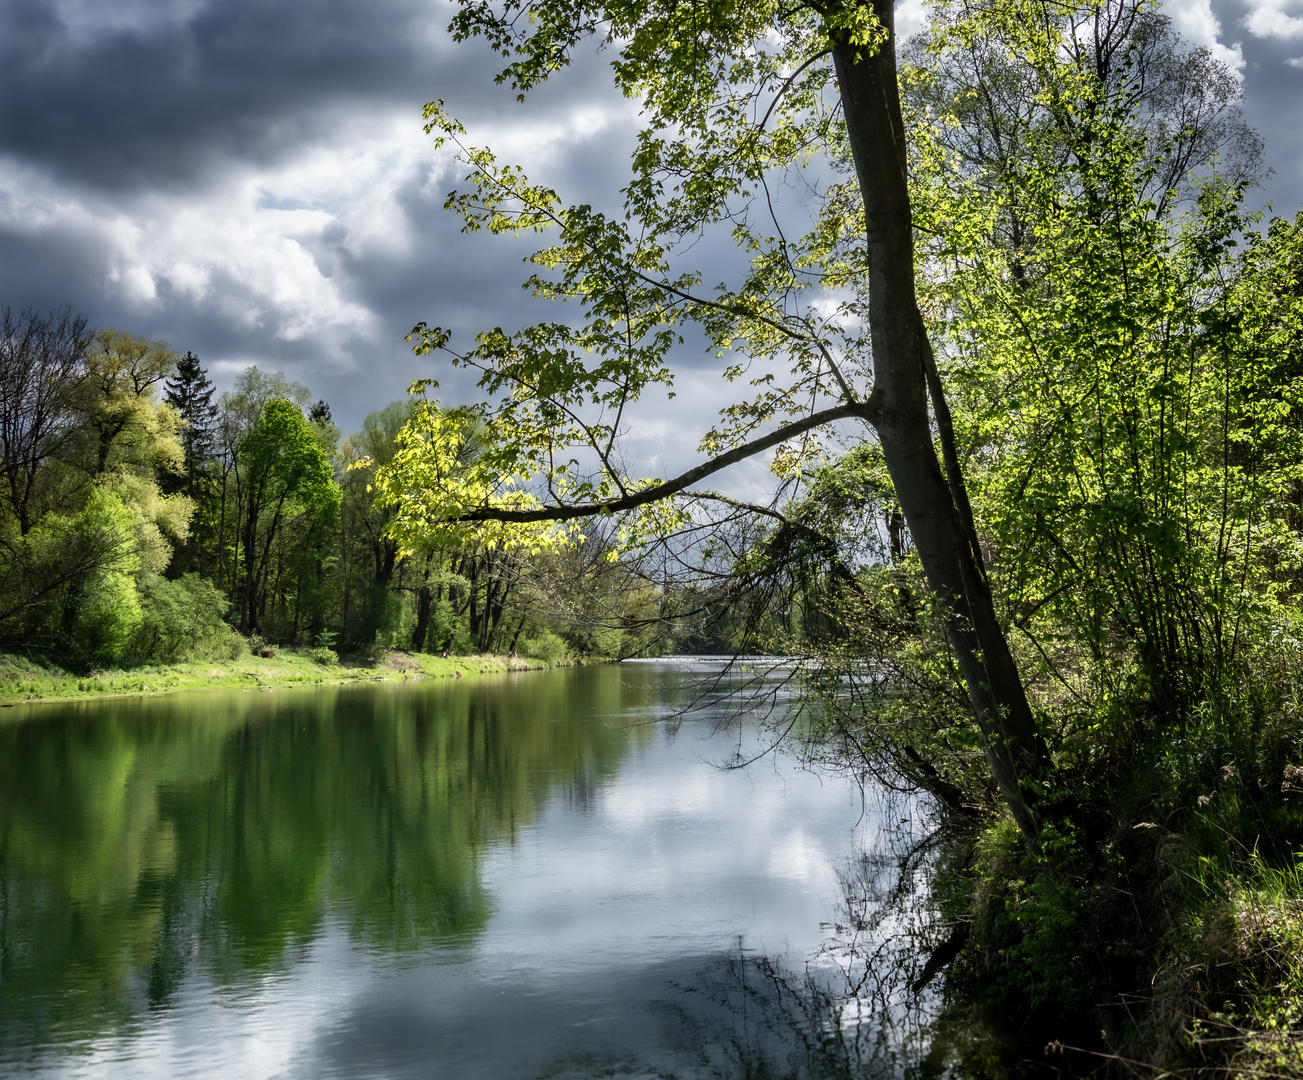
512, 878
139, 838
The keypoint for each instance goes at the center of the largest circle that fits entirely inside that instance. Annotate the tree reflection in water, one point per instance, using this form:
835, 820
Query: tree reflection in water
205, 849
141, 841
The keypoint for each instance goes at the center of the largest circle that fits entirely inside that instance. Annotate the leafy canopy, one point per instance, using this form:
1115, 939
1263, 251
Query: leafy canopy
739, 110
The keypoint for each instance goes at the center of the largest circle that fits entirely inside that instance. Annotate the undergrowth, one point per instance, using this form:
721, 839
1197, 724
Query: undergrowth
1159, 932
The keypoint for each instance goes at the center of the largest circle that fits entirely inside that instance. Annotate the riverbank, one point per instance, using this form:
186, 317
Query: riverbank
26, 679
1159, 932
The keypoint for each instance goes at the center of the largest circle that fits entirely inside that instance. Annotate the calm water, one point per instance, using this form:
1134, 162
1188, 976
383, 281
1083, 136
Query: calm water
537, 876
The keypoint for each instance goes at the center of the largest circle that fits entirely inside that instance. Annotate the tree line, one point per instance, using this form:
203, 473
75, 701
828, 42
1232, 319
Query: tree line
146, 516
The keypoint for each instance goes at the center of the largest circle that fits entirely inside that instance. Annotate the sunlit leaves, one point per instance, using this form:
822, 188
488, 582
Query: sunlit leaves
739, 109
1118, 430
447, 463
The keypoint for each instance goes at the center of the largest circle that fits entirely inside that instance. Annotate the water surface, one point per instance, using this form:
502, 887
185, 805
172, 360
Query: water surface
532, 876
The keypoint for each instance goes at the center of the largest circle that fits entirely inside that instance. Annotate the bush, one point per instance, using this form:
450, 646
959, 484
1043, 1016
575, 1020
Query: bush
70, 583
324, 655
546, 647
227, 644
180, 618
108, 614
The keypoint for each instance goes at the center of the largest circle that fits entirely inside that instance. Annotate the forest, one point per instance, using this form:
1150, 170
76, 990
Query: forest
147, 518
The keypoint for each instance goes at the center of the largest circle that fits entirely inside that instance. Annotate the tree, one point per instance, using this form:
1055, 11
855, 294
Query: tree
47, 577
441, 458
118, 404
42, 368
238, 412
1006, 92
285, 476
364, 522
733, 95
190, 393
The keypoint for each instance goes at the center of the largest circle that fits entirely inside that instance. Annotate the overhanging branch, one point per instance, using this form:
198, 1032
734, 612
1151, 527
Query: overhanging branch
861, 410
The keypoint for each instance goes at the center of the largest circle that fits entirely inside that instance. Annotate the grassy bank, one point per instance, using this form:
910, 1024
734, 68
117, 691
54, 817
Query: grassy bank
1155, 925
26, 678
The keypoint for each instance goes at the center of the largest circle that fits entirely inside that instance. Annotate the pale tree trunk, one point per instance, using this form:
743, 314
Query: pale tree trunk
935, 508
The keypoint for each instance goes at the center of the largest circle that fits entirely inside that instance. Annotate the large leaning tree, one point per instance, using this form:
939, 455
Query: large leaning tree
743, 103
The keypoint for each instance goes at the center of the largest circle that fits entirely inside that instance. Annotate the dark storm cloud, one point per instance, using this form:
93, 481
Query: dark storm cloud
117, 118
1273, 99
166, 167
158, 103
1274, 106
159, 100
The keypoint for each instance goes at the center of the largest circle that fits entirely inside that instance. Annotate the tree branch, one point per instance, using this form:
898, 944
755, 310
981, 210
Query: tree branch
862, 410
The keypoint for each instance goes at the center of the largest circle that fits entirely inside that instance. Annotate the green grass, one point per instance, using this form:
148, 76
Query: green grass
1239, 984
33, 678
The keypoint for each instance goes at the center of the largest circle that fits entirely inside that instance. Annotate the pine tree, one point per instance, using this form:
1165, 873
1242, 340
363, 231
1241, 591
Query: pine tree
190, 392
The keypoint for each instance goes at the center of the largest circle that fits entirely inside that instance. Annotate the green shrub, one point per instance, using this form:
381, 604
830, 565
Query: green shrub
226, 644
546, 647
106, 615
180, 619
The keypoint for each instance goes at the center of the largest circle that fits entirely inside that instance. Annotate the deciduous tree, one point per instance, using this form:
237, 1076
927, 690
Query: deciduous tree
285, 476
42, 368
734, 97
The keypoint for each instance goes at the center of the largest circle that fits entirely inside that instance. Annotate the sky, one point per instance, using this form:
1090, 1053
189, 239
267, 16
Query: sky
249, 179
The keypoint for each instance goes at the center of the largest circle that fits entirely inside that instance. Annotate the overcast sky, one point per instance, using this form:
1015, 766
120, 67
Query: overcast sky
249, 178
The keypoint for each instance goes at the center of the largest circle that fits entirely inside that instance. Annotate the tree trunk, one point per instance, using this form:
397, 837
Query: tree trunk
247, 614
933, 508
474, 600
424, 606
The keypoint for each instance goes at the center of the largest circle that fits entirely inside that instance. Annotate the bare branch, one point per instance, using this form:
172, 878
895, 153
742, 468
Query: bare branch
866, 410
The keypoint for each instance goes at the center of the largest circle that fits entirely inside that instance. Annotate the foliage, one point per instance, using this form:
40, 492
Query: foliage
70, 581
190, 393
181, 618
448, 461
287, 483
546, 647
1109, 404
123, 426
254, 527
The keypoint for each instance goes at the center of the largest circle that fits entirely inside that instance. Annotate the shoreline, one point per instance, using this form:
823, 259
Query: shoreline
25, 681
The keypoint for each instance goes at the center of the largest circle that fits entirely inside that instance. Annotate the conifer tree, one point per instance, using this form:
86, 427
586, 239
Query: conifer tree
190, 392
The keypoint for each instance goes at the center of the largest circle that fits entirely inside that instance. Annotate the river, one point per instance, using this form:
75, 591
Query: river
542, 875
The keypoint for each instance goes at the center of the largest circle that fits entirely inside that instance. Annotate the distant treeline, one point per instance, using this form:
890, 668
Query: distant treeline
145, 517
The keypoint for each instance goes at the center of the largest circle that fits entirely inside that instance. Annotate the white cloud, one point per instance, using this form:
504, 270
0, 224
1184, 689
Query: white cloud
1295, 61
1275, 19
911, 17
264, 248
1195, 21
1271, 18
258, 247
